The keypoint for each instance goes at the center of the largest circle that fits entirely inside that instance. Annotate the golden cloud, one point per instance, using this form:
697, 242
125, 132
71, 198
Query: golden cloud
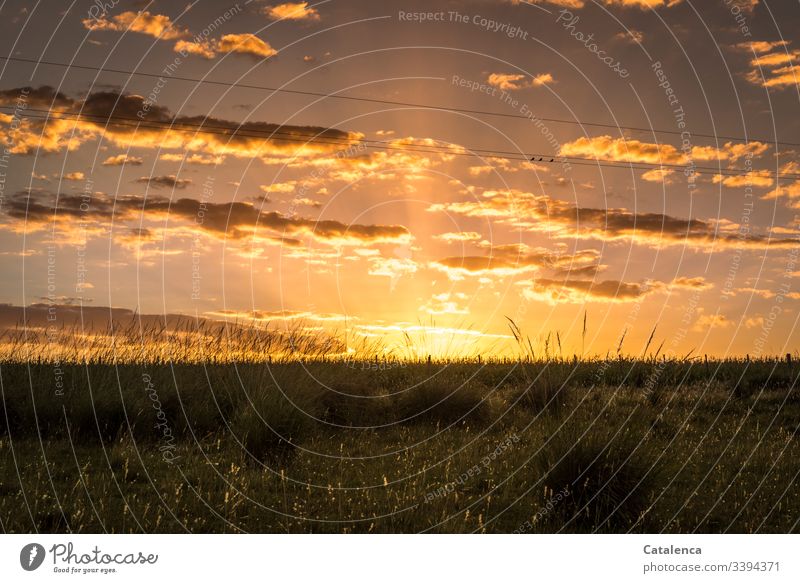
461, 236
625, 150
630, 36
696, 283
773, 70
761, 46
774, 59
505, 165
196, 159
759, 178
540, 213
790, 191
291, 11
642, 4
276, 315
580, 291
38, 210
282, 187
513, 259
122, 160
131, 121
445, 304
167, 181
662, 175
392, 267
246, 44
156, 25
709, 321
514, 82
205, 49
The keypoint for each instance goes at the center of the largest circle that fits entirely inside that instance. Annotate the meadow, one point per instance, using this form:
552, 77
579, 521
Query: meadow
321, 443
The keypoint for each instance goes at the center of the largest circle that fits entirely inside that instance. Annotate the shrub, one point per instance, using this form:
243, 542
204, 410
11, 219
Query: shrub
608, 482
271, 425
440, 401
98, 415
353, 404
542, 396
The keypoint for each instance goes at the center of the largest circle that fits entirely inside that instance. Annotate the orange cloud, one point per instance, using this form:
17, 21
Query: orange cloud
761, 46
773, 70
392, 267
205, 49
776, 78
541, 213
282, 187
625, 150
697, 283
461, 236
579, 291
790, 191
156, 25
512, 259
709, 321
115, 117
291, 11
514, 82
774, 59
630, 36
37, 210
122, 160
760, 178
445, 304
276, 315
662, 175
505, 165
196, 159
245, 44
642, 4
168, 181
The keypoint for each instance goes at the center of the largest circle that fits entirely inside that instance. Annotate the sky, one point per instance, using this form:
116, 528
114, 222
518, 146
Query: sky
391, 170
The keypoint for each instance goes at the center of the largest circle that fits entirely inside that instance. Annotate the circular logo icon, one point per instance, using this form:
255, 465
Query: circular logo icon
31, 556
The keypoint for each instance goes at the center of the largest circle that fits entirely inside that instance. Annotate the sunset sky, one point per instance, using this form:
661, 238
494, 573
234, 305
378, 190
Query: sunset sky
193, 187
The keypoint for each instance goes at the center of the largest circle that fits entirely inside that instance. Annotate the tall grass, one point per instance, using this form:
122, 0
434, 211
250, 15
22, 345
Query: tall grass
342, 438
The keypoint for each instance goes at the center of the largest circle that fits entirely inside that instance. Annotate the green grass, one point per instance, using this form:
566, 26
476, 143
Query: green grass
635, 445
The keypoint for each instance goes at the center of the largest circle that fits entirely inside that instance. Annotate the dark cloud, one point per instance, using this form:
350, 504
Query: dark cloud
72, 316
123, 160
576, 291
541, 213
515, 258
38, 97
231, 219
170, 181
135, 121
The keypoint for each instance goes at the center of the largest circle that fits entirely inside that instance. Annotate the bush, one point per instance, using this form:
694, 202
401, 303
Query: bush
100, 416
271, 425
607, 482
353, 404
542, 396
440, 401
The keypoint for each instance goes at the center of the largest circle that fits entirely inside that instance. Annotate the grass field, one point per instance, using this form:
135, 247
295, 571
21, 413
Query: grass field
607, 445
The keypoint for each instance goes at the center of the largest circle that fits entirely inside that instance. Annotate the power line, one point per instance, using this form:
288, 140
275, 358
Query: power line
716, 137
178, 126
